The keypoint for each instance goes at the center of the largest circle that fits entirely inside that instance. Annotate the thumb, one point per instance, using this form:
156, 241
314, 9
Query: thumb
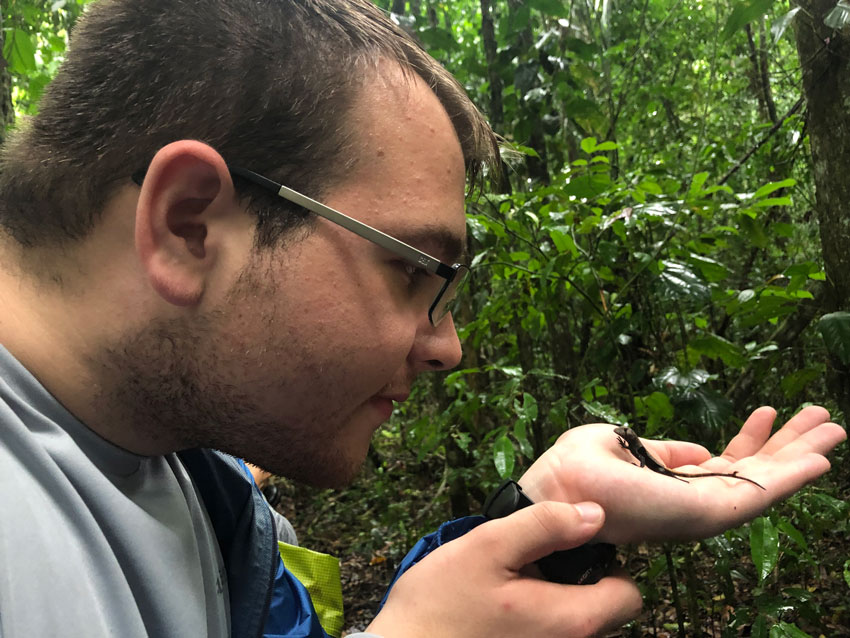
538, 530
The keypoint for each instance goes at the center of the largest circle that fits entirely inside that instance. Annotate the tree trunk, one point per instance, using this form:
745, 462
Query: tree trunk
488, 40
825, 60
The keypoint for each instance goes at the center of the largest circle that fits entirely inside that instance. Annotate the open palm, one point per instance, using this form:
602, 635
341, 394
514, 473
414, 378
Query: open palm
588, 464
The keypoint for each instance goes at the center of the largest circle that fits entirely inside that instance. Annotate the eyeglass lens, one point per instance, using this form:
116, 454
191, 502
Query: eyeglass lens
446, 301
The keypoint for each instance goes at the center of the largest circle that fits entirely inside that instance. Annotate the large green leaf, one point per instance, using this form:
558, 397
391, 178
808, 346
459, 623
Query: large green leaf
744, 13
787, 630
656, 409
711, 269
835, 328
705, 407
19, 51
678, 281
793, 533
770, 187
607, 413
780, 25
504, 456
715, 347
677, 380
796, 382
764, 546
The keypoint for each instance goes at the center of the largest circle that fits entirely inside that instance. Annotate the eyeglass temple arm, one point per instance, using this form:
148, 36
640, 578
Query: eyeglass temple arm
392, 244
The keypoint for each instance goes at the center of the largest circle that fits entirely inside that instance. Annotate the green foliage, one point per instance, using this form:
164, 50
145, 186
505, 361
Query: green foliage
835, 328
636, 270
643, 265
35, 34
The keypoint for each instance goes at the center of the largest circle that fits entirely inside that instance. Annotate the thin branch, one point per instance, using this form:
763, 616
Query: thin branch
762, 141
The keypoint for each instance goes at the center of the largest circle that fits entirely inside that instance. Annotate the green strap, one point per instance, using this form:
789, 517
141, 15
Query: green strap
319, 573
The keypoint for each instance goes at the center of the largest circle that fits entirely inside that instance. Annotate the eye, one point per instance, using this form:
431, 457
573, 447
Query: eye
413, 273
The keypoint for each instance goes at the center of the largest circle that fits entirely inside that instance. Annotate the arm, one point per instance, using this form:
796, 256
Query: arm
587, 464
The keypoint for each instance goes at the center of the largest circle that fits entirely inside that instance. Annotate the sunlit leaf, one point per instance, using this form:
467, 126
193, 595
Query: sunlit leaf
787, 630
563, 240
711, 269
839, 15
588, 144
780, 25
767, 189
773, 201
764, 546
504, 456
607, 146
678, 380
743, 13
19, 51
607, 413
678, 281
525, 150
653, 210
697, 182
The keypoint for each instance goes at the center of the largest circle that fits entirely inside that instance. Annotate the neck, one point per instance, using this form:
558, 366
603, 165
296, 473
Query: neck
58, 333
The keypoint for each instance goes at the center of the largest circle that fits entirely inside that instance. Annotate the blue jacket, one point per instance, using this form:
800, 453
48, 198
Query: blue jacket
265, 599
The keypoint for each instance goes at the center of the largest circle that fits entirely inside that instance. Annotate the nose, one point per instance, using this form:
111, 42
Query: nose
436, 347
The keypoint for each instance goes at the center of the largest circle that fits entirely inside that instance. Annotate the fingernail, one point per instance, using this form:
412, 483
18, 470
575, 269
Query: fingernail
589, 512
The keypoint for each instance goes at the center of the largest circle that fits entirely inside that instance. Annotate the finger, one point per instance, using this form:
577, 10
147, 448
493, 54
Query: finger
538, 530
677, 453
805, 420
819, 440
605, 605
752, 436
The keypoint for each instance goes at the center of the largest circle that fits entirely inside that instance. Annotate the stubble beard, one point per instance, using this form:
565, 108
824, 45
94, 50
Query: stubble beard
174, 382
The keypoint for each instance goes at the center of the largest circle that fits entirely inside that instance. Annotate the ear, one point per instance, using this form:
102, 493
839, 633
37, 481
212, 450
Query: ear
186, 189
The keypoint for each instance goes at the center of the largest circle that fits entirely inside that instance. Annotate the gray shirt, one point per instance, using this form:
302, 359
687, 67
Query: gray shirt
94, 540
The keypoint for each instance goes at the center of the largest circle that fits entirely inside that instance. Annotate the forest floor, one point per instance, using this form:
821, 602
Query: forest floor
337, 523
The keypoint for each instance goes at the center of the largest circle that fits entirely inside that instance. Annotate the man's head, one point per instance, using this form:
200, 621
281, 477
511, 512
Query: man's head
186, 321
269, 85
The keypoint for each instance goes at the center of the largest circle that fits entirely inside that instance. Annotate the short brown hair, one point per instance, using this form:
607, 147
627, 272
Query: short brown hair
267, 83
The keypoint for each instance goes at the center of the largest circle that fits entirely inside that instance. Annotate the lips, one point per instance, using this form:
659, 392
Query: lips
398, 397
384, 402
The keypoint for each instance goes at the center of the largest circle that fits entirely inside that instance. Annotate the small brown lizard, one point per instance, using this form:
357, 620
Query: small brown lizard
631, 442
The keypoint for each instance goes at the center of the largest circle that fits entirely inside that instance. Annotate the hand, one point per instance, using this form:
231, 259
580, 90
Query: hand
587, 463
476, 585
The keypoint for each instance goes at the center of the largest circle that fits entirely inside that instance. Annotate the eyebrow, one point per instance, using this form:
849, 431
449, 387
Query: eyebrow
436, 240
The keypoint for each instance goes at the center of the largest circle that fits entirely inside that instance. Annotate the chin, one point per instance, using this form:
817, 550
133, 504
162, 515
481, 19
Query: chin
327, 468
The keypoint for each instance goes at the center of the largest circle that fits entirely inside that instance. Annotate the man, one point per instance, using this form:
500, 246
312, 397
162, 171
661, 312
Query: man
162, 297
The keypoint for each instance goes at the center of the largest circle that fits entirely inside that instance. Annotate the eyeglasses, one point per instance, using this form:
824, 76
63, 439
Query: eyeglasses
455, 275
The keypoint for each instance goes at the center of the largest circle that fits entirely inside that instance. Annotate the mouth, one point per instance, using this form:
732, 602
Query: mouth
385, 403
397, 397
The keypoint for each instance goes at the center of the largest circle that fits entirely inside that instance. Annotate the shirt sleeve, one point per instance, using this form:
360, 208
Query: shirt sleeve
447, 532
